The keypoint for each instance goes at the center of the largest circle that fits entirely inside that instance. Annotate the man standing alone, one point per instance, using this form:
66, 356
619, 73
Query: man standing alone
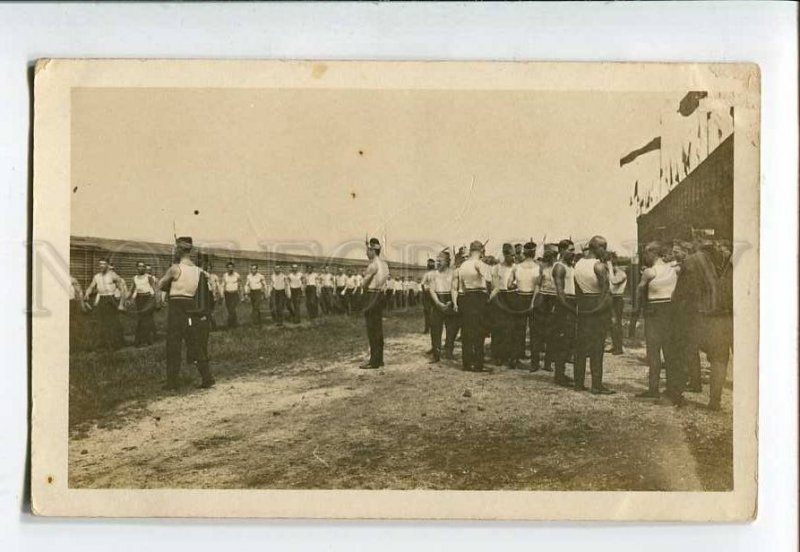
255, 286
232, 291
187, 317
144, 296
374, 279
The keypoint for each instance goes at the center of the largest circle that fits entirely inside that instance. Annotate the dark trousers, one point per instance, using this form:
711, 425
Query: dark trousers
617, 308
347, 302
108, 328
256, 297
297, 297
505, 317
686, 342
523, 319
373, 316
562, 336
326, 300
472, 305
145, 324
442, 320
660, 334
278, 305
389, 300
312, 302
542, 329
231, 302
714, 335
590, 340
427, 306
191, 329
338, 300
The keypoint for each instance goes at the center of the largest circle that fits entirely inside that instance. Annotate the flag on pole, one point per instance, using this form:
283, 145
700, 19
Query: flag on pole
652, 145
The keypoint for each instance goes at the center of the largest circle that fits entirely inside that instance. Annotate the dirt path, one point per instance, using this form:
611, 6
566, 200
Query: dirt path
327, 424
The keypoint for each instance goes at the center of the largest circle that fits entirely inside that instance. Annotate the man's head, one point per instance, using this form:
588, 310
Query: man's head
443, 259
549, 256
148, 269
565, 245
229, 267
295, 268
140, 268
652, 252
475, 249
518, 250
509, 253
183, 246
529, 250
597, 247
253, 268
679, 252
431, 264
373, 248
309, 268
103, 266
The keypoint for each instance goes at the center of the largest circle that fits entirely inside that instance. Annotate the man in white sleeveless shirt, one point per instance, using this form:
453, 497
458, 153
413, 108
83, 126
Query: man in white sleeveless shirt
143, 294
187, 317
374, 280
528, 301
233, 294
562, 336
503, 319
326, 297
438, 288
311, 281
470, 298
655, 291
594, 301
280, 294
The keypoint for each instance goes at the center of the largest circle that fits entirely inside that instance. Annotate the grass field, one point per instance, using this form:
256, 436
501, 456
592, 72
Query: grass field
292, 410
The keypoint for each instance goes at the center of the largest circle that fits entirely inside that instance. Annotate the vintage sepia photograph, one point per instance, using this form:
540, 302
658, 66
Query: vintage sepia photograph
439, 277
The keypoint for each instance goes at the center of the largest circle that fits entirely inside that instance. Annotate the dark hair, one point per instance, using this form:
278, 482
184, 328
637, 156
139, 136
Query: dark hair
230, 263
563, 245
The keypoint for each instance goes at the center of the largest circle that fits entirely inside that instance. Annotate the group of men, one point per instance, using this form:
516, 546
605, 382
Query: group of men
570, 301
686, 294
567, 302
327, 292
563, 303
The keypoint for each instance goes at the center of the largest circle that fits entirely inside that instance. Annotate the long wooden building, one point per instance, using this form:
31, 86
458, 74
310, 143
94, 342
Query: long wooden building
86, 252
701, 203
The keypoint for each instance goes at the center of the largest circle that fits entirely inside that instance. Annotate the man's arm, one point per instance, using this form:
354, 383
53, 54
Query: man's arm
615, 275
495, 274
601, 272
369, 274
166, 280
641, 289
91, 288
454, 289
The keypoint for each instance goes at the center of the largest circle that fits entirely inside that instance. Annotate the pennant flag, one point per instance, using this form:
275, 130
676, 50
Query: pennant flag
691, 102
630, 202
670, 175
652, 145
636, 189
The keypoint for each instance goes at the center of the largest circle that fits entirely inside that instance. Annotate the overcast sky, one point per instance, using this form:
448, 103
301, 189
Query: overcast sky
267, 166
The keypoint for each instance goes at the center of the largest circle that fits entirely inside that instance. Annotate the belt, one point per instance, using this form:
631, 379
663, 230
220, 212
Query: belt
524, 292
476, 290
659, 301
